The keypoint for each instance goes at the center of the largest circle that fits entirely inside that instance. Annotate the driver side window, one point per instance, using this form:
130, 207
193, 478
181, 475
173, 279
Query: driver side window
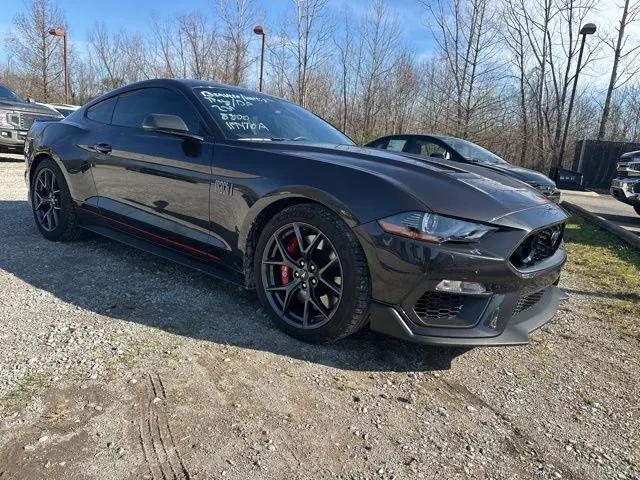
133, 107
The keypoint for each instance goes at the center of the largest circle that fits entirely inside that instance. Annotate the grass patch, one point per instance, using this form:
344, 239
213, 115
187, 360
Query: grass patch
608, 269
17, 399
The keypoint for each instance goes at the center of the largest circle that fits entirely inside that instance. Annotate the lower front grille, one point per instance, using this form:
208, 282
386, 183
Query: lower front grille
438, 306
527, 301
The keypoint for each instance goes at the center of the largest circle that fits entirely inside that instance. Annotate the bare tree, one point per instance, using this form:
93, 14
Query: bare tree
38, 56
627, 58
238, 19
309, 43
468, 43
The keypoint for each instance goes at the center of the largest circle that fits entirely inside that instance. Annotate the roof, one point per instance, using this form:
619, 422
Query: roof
184, 84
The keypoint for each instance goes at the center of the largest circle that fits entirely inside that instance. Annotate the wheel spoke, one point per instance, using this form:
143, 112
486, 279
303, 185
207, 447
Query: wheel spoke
326, 267
314, 244
54, 213
47, 216
299, 237
306, 312
337, 290
318, 305
288, 260
288, 295
39, 199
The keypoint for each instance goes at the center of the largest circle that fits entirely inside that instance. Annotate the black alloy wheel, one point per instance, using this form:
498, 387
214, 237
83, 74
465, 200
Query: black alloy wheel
302, 275
46, 200
312, 274
52, 205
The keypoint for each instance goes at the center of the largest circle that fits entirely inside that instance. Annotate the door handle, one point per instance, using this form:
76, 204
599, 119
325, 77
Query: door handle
102, 148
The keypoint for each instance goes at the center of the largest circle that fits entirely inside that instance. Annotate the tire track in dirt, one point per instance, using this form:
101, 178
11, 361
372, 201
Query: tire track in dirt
162, 458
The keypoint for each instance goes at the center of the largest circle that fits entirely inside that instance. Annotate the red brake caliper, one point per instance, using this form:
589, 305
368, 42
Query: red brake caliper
285, 272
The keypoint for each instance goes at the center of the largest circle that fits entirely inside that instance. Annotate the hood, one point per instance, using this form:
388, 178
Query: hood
27, 108
523, 174
440, 186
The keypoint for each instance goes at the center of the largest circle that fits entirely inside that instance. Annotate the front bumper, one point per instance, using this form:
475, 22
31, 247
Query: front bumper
396, 323
405, 274
626, 190
11, 139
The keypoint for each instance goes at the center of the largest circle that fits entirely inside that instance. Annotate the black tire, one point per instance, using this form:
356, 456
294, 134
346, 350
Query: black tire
67, 228
352, 311
637, 209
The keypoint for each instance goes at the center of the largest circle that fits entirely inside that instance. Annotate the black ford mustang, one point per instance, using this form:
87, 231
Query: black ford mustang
261, 192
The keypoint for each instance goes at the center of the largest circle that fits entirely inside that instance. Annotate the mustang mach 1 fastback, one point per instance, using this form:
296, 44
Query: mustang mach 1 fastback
332, 236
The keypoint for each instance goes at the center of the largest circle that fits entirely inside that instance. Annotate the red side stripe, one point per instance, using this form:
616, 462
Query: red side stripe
150, 234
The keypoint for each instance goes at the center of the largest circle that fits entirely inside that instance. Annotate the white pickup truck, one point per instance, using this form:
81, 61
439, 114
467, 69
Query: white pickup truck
626, 186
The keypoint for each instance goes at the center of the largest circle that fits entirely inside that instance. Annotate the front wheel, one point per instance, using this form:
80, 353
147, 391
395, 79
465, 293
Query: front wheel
312, 274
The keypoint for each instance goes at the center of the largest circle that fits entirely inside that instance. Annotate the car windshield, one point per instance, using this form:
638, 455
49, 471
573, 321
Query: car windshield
7, 94
256, 117
473, 152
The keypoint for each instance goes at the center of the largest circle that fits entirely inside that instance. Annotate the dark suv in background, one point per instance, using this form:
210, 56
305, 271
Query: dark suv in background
626, 186
459, 150
16, 117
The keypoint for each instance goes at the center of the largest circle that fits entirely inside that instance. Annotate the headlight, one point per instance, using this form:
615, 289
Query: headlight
434, 228
5, 116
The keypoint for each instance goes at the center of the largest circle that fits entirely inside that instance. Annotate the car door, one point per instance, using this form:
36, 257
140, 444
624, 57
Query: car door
153, 184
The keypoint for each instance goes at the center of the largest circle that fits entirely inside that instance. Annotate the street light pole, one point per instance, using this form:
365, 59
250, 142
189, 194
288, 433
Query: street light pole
259, 30
59, 32
587, 29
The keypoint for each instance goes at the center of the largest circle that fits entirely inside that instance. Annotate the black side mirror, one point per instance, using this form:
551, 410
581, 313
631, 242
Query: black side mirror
169, 124
30, 100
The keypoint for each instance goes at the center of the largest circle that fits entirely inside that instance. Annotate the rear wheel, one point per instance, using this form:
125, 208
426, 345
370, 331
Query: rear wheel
312, 274
52, 205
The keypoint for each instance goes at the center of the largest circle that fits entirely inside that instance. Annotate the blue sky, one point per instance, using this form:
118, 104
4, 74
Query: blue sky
134, 15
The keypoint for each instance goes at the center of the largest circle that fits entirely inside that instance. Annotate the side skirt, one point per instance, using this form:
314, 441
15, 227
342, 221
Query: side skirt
203, 266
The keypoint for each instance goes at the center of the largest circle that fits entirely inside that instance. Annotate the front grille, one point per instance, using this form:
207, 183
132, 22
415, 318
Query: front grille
26, 120
527, 301
622, 170
538, 246
438, 306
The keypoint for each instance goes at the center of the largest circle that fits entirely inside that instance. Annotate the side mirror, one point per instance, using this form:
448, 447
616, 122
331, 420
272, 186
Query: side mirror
437, 155
169, 124
30, 100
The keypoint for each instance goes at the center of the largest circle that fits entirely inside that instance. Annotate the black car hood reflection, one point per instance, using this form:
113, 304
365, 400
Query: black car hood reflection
446, 187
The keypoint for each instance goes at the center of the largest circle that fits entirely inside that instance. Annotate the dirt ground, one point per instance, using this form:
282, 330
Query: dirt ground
117, 365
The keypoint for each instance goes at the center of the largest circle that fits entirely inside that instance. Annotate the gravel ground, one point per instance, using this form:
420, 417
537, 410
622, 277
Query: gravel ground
115, 364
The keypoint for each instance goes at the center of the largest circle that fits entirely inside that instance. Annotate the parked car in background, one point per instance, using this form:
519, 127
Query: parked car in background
626, 186
459, 150
16, 117
259, 191
62, 108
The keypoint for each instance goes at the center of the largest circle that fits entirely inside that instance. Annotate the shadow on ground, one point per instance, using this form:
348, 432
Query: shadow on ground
113, 280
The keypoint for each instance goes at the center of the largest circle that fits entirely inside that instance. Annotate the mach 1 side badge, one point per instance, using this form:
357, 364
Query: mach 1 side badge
223, 188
